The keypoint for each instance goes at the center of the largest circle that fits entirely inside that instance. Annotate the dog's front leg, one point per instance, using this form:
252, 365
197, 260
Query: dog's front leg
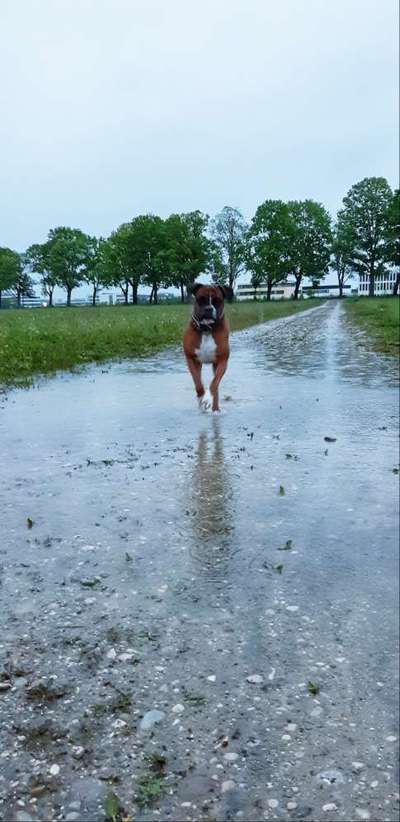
219, 371
195, 369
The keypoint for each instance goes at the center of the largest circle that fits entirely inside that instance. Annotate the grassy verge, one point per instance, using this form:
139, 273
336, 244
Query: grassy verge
41, 341
379, 317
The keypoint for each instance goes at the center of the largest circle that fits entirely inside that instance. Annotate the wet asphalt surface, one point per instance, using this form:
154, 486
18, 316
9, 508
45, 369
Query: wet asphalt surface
199, 615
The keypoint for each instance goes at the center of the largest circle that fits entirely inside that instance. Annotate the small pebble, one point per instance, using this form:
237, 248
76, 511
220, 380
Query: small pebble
291, 806
255, 679
55, 770
178, 709
391, 738
330, 806
231, 757
316, 711
228, 785
273, 803
362, 813
150, 719
212, 678
357, 766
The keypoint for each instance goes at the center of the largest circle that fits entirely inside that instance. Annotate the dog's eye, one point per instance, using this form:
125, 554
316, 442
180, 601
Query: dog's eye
216, 302
202, 300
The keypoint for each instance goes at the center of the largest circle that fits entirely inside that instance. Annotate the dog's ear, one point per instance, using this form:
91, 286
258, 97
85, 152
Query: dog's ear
227, 292
193, 289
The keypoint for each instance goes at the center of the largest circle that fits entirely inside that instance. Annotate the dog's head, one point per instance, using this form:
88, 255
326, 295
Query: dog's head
209, 302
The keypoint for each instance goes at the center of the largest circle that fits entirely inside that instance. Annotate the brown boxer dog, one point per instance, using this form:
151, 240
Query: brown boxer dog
206, 340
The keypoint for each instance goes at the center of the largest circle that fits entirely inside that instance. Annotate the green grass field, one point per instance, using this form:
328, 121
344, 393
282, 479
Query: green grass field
379, 317
41, 341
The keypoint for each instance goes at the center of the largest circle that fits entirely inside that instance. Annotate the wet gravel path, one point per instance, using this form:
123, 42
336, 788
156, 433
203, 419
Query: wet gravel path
198, 613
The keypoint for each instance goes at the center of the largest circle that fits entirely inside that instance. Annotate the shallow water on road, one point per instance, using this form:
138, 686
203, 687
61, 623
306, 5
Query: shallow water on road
209, 568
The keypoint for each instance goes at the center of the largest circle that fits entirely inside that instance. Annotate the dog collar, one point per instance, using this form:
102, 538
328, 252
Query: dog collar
205, 325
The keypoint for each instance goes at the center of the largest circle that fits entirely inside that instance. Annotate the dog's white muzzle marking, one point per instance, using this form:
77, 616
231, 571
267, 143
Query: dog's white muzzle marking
207, 350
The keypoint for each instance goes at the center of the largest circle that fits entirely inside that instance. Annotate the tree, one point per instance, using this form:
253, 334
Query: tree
267, 254
96, 272
188, 249
393, 237
342, 253
10, 265
365, 211
149, 252
116, 264
37, 257
23, 285
69, 249
308, 242
228, 232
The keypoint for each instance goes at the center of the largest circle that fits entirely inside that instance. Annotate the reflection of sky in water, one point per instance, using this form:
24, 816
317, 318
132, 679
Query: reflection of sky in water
320, 344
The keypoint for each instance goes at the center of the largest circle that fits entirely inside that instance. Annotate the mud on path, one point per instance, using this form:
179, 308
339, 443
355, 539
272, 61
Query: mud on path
198, 617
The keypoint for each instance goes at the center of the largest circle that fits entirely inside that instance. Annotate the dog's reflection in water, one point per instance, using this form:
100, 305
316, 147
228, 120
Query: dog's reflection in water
212, 499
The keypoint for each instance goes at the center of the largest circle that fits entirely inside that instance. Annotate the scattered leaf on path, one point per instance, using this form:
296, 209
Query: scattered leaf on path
330, 439
278, 568
111, 806
313, 689
281, 490
29, 522
287, 546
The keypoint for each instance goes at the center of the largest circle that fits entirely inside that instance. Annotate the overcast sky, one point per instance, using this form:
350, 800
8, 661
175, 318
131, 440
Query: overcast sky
111, 108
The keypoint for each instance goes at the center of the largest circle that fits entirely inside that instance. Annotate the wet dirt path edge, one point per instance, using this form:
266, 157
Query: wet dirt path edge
199, 614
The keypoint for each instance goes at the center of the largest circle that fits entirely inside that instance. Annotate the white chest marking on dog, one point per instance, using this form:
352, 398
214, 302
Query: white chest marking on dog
207, 350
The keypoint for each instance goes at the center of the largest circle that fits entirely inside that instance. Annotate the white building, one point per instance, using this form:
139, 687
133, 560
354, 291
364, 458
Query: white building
329, 290
384, 283
279, 291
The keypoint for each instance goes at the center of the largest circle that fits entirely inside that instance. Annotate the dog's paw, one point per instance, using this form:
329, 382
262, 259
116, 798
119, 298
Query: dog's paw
205, 401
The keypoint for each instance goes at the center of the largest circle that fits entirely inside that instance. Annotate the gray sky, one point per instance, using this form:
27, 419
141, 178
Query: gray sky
112, 108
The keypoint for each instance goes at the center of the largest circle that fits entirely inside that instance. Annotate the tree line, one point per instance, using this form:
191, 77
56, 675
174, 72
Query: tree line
294, 238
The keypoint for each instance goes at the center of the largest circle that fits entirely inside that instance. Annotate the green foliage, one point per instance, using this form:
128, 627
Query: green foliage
68, 252
267, 244
149, 789
41, 341
393, 235
379, 317
364, 216
309, 241
342, 258
95, 272
312, 688
37, 258
10, 269
189, 251
112, 807
228, 248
